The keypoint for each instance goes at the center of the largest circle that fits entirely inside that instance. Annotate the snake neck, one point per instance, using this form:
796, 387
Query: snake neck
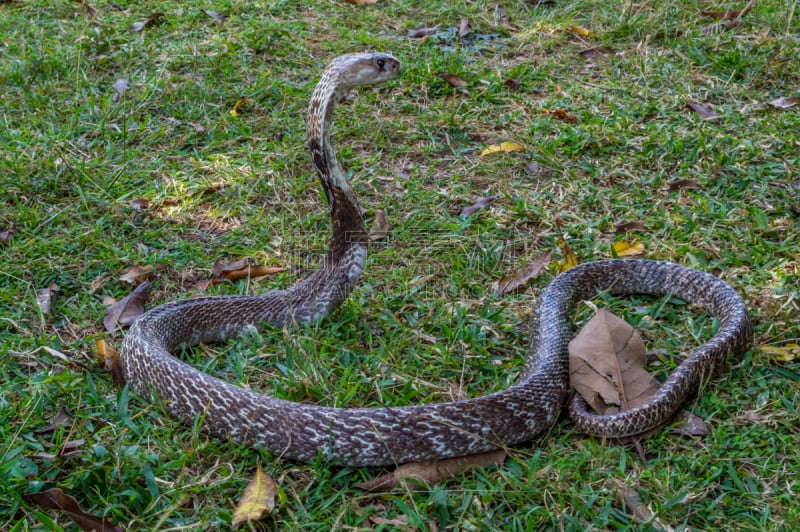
337, 276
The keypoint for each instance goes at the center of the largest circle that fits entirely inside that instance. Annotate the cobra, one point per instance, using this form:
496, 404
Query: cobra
398, 434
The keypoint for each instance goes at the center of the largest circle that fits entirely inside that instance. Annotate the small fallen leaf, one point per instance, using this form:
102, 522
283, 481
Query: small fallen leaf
625, 249
785, 102
61, 420
579, 30
44, 297
451, 79
631, 502
721, 15
594, 53
425, 474
219, 17
55, 499
139, 26
626, 227
400, 520
140, 204
503, 147
7, 234
570, 259
71, 447
719, 27
380, 227
478, 205
513, 84
109, 359
607, 361
561, 114
635, 8
125, 311
137, 274
502, 16
258, 499
672, 186
242, 104
422, 32
121, 87
786, 353
235, 271
705, 112
688, 424
521, 276
463, 28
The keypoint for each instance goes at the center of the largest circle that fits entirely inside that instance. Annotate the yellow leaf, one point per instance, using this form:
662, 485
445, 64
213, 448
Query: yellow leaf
580, 30
258, 499
787, 353
504, 147
240, 105
570, 259
624, 249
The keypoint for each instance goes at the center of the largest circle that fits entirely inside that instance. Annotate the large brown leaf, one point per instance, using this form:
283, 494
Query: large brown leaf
125, 311
607, 361
55, 499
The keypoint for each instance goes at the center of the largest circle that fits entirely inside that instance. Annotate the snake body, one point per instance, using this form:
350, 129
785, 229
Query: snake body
394, 435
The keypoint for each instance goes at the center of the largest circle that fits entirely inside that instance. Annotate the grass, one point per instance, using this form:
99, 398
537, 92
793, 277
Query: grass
74, 157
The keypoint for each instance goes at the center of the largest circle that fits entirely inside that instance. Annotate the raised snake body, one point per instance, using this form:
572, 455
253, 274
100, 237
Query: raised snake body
388, 434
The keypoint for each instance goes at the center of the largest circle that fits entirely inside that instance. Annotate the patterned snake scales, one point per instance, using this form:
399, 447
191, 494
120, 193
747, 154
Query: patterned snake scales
394, 435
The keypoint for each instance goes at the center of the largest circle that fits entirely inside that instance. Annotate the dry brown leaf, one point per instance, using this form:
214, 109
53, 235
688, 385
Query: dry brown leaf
688, 424
785, 103
513, 83
424, 474
125, 311
463, 28
451, 79
626, 227
7, 234
570, 259
121, 87
235, 271
561, 114
705, 112
422, 32
478, 205
521, 276
55, 499
400, 520
721, 15
219, 17
630, 501
607, 361
502, 16
627, 249
503, 147
635, 8
380, 227
594, 53
71, 447
44, 297
109, 359
258, 499
672, 186
138, 274
61, 420
139, 26
719, 27
140, 204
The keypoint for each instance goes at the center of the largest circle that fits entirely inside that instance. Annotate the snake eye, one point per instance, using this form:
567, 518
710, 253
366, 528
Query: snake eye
381, 63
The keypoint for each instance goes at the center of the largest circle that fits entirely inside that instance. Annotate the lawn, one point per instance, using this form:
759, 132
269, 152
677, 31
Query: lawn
170, 142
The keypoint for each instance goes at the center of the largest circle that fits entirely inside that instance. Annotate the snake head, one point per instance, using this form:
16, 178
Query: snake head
364, 69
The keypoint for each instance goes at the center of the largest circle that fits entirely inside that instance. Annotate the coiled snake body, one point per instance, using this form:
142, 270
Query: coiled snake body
392, 435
